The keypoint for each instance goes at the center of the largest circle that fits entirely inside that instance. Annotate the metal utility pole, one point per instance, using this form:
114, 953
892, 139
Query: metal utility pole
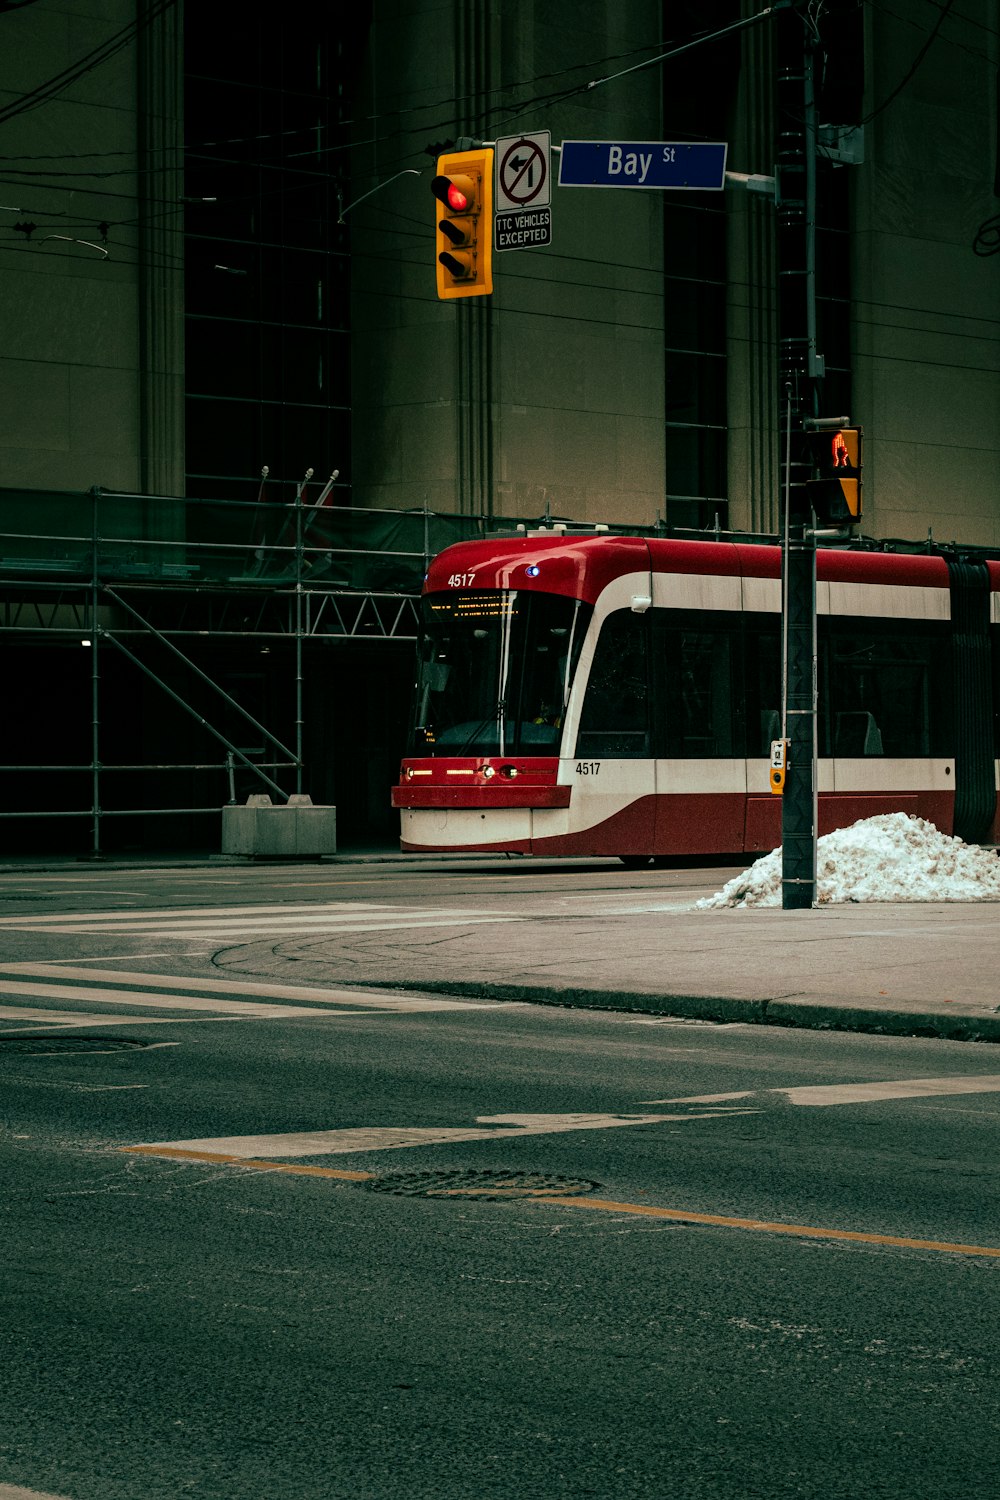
801, 369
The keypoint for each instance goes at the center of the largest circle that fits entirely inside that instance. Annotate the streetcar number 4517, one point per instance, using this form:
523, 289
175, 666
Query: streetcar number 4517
587, 767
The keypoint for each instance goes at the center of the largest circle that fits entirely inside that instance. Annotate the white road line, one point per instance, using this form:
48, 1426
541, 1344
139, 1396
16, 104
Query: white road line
18, 1492
24, 1014
361, 1001
493, 1127
250, 1009
286, 912
287, 908
276, 927
392, 1138
826, 1094
913, 1088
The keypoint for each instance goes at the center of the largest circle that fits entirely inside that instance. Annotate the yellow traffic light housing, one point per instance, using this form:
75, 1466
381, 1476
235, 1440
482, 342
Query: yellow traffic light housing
835, 492
463, 246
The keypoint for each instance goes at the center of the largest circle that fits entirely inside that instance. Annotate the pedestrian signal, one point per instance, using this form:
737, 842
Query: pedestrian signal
835, 491
463, 244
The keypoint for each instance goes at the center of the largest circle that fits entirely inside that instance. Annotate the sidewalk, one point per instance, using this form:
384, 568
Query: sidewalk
908, 968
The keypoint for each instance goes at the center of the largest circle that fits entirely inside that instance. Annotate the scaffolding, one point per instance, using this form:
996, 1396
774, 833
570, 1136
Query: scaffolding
116, 573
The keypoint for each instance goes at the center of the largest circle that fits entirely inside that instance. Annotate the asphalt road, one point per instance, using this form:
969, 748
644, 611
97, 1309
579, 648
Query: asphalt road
494, 1251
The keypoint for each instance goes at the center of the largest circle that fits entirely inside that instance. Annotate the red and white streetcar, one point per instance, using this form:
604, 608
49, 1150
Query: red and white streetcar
617, 695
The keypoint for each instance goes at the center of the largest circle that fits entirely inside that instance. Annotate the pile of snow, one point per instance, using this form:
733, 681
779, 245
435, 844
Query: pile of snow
889, 858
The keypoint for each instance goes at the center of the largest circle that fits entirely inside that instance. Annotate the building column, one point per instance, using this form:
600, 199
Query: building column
161, 251
753, 396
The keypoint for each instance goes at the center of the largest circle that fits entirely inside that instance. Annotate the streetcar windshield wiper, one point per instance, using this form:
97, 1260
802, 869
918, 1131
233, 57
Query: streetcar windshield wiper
480, 727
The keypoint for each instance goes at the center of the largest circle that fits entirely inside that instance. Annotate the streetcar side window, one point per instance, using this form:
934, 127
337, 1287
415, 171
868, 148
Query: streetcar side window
615, 718
698, 662
884, 688
762, 657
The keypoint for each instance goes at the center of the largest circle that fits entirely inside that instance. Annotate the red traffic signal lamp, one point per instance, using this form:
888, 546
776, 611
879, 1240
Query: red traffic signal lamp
463, 245
835, 491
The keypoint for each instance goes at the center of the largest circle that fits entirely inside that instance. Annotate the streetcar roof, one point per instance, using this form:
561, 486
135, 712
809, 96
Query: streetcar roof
581, 567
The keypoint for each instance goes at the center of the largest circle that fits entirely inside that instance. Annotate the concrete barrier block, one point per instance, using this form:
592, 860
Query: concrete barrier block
296, 829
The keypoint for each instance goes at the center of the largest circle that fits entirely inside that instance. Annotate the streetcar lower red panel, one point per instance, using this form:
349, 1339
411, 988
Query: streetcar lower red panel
573, 820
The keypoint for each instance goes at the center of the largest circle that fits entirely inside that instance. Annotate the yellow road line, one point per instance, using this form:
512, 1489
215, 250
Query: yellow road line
257, 1166
604, 1205
682, 1216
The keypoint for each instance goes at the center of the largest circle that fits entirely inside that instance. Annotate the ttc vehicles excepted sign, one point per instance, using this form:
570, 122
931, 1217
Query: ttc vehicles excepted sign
523, 190
645, 164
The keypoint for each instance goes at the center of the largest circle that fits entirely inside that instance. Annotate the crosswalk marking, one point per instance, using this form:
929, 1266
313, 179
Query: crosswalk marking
269, 928
22, 1014
234, 922
90, 995
325, 995
264, 909
209, 999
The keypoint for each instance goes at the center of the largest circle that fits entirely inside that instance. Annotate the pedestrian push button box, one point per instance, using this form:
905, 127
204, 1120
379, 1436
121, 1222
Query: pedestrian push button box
779, 763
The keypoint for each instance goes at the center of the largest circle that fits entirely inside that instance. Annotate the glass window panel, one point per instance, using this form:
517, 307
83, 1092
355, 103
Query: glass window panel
696, 316
230, 292
237, 438
694, 241
833, 330
695, 388
696, 463
223, 358
697, 515
615, 717
762, 678
493, 672
259, 120
698, 659
833, 262
886, 685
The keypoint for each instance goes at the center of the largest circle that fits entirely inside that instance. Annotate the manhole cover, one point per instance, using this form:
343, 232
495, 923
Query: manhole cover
488, 1185
41, 1046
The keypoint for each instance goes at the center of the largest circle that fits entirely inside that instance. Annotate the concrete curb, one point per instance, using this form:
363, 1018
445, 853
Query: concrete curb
804, 1014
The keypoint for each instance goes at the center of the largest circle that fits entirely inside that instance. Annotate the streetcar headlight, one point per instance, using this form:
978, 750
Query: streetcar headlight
489, 771
510, 771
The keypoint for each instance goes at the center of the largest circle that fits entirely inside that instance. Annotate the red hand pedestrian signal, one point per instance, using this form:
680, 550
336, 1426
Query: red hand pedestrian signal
835, 489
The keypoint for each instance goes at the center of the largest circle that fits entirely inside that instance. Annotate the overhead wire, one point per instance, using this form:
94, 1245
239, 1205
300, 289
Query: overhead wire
168, 206
56, 85
921, 54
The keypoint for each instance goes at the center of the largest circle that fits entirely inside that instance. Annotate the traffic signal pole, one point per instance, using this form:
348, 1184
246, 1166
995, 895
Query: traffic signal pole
801, 370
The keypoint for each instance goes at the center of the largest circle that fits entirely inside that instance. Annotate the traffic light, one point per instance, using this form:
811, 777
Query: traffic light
835, 492
464, 233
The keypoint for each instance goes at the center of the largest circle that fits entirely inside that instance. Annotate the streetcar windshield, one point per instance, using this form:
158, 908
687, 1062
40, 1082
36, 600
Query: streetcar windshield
495, 672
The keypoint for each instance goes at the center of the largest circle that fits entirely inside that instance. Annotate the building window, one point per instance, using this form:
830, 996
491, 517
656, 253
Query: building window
698, 94
267, 276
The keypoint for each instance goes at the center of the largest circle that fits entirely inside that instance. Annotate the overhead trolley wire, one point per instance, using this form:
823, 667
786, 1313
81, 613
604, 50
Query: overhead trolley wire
56, 85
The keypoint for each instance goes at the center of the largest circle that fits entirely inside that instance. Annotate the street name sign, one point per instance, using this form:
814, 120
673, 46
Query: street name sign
643, 164
522, 192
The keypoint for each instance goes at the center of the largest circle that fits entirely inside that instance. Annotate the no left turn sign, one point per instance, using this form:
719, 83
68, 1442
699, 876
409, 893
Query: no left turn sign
522, 168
